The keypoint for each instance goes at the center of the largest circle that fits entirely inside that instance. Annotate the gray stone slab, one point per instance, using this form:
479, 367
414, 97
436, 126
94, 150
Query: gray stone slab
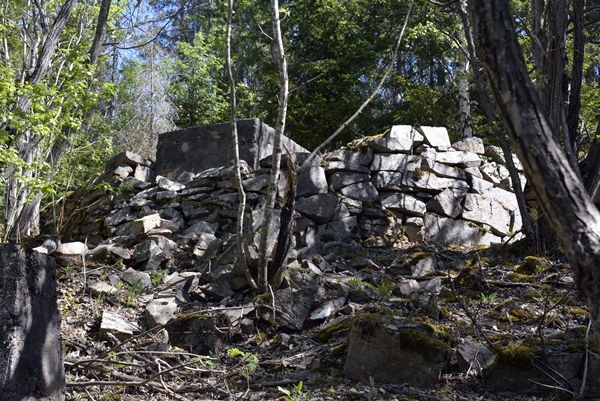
444, 230
485, 210
319, 208
387, 180
395, 162
436, 137
361, 157
364, 192
404, 203
340, 179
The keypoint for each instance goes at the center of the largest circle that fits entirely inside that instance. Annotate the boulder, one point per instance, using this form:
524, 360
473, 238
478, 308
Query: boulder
398, 352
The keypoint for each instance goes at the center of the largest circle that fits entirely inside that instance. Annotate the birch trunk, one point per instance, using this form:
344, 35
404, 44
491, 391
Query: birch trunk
263, 256
241, 257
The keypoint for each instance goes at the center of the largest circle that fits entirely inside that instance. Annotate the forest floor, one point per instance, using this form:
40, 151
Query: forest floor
498, 295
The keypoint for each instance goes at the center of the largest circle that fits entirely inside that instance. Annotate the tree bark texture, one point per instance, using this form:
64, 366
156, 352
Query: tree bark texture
100, 31
576, 74
561, 193
488, 106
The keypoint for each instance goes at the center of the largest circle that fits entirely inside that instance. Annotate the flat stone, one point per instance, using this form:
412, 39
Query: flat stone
146, 223
128, 158
395, 162
101, 288
473, 145
361, 157
340, 179
72, 248
401, 138
478, 185
116, 325
166, 196
160, 311
138, 280
436, 137
364, 192
395, 181
346, 166
168, 185
404, 203
121, 215
218, 290
194, 210
442, 170
200, 228
459, 158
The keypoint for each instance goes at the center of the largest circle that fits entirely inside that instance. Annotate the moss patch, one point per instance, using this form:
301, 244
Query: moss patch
519, 355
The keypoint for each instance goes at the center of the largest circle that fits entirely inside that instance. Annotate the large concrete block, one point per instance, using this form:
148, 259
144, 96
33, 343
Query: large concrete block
200, 148
31, 361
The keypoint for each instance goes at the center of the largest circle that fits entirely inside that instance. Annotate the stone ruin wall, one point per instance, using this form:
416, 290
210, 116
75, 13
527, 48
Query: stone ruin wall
408, 184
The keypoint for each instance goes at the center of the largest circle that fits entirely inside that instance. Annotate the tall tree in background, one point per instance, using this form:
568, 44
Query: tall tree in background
44, 96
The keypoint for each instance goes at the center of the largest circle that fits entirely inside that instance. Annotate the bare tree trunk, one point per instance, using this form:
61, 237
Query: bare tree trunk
576, 75
263, 257
100, 31
464, 100
236, 157
561, 193
491, 115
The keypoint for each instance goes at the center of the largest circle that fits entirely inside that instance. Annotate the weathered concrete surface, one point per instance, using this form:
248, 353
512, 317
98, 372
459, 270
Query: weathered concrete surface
31, 361
199, 148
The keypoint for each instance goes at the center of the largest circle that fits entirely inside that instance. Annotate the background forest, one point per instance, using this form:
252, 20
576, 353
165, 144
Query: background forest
82, 80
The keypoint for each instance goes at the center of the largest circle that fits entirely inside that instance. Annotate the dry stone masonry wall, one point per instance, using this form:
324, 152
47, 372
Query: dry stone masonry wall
407, 184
